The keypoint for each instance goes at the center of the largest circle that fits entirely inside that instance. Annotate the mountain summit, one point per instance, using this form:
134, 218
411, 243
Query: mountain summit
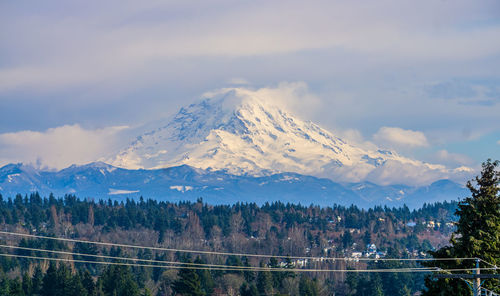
243, 132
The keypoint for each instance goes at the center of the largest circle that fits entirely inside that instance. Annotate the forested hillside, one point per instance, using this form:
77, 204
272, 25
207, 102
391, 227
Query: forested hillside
274, 229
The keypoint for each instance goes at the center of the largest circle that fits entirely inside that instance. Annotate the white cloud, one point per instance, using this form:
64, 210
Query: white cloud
356, 138
397, 172
498, 142
58, 147
294, 97
418, 173
398, 137
452, 159
119, 40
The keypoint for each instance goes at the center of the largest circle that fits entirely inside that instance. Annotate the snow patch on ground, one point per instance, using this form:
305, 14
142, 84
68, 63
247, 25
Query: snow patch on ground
10, 177
181, 188
121, 191
289, 178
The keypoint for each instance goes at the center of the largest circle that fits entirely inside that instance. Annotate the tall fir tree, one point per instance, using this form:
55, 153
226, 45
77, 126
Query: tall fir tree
188, 283
119, 280
27, 284
248, 289
307, 286
49, 285
264, 282
206, 279
37, 281
477, 234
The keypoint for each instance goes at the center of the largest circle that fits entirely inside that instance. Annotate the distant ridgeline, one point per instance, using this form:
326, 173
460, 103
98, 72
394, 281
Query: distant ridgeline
235, 145
102, 181
272, 228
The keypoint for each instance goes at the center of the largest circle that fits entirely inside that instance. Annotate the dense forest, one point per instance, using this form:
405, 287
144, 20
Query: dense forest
273, 228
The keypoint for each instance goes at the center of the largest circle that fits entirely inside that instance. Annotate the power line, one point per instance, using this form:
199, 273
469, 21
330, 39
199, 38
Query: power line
490, 264
175, 262
213, 266
231, 268
228, 253
166, 262
122, 258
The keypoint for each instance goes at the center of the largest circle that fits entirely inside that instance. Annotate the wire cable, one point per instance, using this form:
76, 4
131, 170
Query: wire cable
213, 266
488, 263
122, 258
228, 253
171, 262
229, 268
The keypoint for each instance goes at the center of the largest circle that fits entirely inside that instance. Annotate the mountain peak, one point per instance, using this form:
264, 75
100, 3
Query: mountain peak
243, 131
233, 99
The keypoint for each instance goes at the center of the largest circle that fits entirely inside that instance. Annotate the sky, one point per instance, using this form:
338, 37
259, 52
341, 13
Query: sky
419, 77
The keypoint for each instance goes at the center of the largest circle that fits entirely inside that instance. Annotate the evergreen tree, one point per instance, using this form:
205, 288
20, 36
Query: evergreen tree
367, 238
75, 287
308, 287
88, 283
16, 288
188, 283
37, 281
4, 286
207, 282
118, 280
248, 290
27, 284
347, 239
49, 285
477, 234
405, 291
264, 282
248, 274
377, 288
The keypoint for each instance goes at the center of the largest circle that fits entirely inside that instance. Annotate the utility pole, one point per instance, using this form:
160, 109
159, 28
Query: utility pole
476, 284
475, 277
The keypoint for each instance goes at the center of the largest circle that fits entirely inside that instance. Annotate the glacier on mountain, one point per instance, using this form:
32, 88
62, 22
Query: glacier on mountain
242, 132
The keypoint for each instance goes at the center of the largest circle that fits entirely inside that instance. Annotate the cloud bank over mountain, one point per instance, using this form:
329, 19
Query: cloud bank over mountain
395, 136
246, 131
58, 147
241, 130
425, 66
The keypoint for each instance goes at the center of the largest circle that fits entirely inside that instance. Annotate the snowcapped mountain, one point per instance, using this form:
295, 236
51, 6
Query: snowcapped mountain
242, 132
236, 144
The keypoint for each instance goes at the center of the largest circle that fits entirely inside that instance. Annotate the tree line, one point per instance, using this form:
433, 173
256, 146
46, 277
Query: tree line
272, 228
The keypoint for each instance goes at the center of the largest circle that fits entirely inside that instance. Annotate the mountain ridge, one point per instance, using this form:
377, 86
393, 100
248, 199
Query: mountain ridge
103, 181
245, 133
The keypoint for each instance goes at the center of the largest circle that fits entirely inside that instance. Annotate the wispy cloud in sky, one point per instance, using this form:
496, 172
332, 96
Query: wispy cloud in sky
58, 147
72, 46
397, 137
426, 66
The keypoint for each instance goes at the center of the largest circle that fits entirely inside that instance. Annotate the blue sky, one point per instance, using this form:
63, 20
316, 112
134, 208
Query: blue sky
421, 77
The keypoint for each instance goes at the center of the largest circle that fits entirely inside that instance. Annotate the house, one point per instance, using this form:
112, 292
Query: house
411, 224
300, 262
356, 254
